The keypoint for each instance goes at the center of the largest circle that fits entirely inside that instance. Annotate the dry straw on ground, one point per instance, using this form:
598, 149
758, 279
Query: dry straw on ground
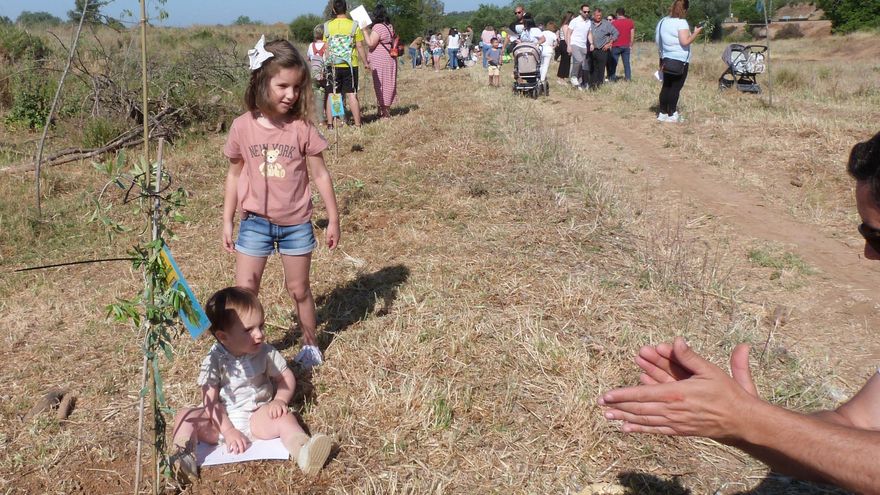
497, 275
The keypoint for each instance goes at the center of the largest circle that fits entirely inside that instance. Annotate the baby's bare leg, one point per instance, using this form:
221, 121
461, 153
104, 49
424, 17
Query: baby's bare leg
193, 424
285, 427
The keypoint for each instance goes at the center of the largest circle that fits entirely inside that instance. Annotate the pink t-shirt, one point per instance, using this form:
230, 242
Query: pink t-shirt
486, 36
274, 181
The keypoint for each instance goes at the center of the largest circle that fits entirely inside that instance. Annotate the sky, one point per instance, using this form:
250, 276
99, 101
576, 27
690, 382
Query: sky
187, 12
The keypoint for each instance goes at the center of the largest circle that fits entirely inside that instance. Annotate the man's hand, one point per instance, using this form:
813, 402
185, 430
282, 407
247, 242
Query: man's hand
276, 408
683, 394
236, 442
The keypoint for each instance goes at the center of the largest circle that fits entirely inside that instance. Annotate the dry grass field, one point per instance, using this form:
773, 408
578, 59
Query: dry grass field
502, 260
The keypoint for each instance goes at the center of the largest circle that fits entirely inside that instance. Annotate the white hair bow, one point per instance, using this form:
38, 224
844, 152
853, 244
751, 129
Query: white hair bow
259, 54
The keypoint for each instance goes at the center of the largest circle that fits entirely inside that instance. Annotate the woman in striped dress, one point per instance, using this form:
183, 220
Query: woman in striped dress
379, 38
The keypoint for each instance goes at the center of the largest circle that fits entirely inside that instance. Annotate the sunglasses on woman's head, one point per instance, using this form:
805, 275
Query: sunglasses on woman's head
871, 235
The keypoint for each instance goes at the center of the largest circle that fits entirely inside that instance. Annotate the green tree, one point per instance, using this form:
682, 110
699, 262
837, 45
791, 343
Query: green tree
489, 15
28, 19
5, 21
411, 18
93, 13
852, 15
244, 20
302, 28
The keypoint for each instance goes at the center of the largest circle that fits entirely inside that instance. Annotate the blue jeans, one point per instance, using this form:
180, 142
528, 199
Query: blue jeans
483, 49
416, 57
453, 58
617, 52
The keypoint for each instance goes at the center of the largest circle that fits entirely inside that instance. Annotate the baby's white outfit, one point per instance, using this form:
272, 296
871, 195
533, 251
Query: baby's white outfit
245, 382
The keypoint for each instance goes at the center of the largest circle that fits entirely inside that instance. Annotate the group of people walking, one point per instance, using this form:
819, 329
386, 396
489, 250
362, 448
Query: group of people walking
588, 46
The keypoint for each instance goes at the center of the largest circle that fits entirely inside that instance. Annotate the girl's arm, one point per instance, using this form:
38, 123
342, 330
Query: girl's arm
236, 442
324, 183
230, 203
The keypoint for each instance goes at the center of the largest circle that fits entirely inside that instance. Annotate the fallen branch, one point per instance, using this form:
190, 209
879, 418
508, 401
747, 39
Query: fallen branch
127, 139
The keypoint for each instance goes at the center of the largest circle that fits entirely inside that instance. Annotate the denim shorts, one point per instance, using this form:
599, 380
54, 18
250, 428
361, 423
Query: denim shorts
259, 237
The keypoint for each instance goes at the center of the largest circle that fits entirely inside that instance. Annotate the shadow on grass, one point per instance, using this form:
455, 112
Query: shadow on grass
356, 300
648, 484
395, 112
775, 484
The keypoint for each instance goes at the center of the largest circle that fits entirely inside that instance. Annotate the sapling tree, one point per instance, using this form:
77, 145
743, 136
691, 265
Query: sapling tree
153, 312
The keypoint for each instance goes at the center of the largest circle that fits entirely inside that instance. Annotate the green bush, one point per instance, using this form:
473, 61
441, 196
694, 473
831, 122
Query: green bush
31, 99
733, 35
788, 32
302, 28
17, 44
100, 131
852, 15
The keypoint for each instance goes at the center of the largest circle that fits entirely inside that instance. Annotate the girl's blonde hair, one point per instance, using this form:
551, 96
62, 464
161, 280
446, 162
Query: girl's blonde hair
227, 306
256, 97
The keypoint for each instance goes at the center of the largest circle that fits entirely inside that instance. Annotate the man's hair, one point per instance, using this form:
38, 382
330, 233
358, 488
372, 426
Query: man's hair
340, 7
864, 164
585, 5
256, 96
679, 9
621, 11
227, 306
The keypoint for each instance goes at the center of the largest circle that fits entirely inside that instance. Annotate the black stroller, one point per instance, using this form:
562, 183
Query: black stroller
527, 70
744, 63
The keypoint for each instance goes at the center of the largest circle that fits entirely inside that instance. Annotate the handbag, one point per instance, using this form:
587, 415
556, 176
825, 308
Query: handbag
669, 65
673, 67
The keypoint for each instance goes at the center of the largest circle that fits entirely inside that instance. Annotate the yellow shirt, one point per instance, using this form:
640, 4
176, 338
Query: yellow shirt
341, 26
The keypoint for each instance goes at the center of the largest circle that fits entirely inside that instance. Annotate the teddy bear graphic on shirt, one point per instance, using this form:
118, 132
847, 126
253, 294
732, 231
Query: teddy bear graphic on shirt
270, 167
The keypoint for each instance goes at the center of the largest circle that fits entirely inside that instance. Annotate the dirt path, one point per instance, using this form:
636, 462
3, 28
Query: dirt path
843, 290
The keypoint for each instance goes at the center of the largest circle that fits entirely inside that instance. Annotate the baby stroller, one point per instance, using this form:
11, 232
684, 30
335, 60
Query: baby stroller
526, 70
744, 62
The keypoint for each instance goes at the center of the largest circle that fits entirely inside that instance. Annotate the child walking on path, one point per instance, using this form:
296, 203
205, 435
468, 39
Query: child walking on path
273, 148
246, 387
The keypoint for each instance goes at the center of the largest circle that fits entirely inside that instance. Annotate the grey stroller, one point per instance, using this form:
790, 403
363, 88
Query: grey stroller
527, 70
744, 63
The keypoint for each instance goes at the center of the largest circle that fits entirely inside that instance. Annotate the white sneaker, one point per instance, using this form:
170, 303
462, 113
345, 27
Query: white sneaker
575, 81
675, 117
662, 117
313, 454
309, 357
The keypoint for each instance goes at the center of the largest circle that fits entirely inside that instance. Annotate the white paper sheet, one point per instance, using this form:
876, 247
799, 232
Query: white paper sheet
360, 16
210, 455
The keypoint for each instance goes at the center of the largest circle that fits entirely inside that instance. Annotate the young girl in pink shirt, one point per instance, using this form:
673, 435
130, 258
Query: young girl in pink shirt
273, 148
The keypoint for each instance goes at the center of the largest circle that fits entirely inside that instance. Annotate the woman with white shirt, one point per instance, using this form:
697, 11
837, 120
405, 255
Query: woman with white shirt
453, 43
674, 40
